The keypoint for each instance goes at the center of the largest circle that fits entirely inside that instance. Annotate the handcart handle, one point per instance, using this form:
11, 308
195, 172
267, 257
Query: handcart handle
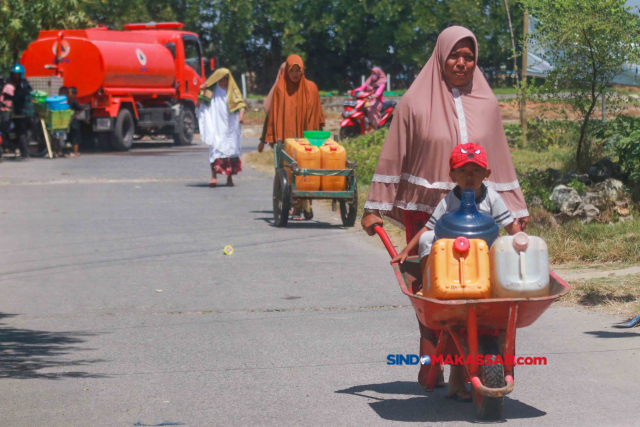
385, 239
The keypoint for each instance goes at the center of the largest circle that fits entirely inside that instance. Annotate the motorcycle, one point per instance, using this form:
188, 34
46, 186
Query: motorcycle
35, 136
355, 121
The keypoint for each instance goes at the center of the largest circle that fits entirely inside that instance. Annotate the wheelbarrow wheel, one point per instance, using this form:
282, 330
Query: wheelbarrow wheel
348, 211
281, 198
490, 408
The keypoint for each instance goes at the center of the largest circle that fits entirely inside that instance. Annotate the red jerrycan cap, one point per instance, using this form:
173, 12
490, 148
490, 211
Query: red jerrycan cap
461, 245
308, 148
333, 148
520, 241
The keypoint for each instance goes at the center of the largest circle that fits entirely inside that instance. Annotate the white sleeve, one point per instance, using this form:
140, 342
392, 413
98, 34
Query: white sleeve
499, 211
441, 209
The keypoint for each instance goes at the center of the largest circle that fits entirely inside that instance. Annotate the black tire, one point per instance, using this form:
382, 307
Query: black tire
349, 211
122, 136
36, 144
281, 198
185, 127
348, 132
490, 408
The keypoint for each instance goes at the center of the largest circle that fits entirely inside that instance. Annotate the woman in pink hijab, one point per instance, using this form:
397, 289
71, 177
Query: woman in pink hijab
449, 103
375, 84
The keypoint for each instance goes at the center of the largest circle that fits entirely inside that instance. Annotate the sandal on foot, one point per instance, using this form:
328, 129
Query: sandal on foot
213, 183
460, 396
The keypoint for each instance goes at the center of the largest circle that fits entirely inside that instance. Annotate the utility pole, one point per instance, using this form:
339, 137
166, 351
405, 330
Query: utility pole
523, 91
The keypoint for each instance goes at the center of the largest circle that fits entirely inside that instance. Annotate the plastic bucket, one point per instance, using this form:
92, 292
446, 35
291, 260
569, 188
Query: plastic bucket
39, 96
57, 103
317, 137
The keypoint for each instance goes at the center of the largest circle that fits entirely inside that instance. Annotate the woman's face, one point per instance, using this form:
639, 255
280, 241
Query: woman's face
461, 63
295, 74
374, 76
224, 82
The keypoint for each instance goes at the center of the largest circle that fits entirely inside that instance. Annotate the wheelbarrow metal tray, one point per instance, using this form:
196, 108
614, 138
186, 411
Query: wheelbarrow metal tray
492, 313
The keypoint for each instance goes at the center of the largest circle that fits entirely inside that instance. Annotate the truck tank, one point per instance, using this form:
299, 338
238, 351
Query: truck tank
99, 58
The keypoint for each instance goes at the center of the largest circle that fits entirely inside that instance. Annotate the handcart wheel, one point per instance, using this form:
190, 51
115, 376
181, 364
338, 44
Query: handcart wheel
281, 198
348, 211
490, 408
37, 144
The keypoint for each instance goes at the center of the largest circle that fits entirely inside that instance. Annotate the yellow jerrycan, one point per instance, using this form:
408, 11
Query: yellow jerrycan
289, 145
457, 269
308, 157
334, 156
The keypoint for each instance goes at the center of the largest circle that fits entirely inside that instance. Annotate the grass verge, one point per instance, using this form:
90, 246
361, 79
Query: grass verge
574, 242
505, 91
561, 158
617, 294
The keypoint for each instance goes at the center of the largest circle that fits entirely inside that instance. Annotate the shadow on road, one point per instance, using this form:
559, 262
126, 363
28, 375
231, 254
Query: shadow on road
612, 334
303, 225
206, 185
429, 407
24, 353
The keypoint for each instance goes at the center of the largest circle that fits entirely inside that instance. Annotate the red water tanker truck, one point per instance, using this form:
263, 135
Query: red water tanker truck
143, 80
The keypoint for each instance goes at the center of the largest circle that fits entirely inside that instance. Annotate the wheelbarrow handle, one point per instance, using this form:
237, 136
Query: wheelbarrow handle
385, 239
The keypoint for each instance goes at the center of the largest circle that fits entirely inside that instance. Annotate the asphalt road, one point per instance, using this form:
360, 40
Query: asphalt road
118, 308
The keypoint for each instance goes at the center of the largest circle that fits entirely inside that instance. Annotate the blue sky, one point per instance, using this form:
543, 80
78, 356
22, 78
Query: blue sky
635, 3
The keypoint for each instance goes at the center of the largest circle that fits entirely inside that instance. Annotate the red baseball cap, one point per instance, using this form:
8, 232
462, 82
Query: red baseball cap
468, 153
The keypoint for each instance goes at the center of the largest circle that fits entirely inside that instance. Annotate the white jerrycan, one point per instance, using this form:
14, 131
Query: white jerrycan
519, 267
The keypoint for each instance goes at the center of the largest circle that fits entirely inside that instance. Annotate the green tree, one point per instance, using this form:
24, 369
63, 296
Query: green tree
21, 20
588, 42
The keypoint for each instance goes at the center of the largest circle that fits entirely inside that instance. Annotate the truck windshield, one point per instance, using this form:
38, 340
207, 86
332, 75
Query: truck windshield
192, 54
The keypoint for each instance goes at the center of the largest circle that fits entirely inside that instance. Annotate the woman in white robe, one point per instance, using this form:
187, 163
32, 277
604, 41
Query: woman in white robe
220, 114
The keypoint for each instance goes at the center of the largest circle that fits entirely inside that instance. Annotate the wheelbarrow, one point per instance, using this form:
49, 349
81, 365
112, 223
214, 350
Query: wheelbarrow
476, 331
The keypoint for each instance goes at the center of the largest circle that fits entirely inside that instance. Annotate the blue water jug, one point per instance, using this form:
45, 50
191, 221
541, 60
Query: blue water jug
57, 103
467, 221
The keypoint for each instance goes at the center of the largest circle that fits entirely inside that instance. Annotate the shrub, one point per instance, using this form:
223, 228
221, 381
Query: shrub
538, 185
578, 186
622, 137
543, 134
365, 150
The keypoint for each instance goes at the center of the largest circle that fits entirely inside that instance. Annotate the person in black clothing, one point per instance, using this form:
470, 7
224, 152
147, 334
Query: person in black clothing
76, 127
22, 108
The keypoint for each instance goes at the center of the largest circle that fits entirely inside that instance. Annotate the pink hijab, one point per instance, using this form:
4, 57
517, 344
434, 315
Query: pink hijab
433, 117
378, 78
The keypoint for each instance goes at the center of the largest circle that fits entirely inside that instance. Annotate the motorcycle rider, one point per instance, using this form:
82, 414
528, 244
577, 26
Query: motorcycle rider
375, 84
22, 108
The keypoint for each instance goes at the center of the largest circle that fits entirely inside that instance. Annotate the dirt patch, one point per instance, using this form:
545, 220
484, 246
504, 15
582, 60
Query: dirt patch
616, 295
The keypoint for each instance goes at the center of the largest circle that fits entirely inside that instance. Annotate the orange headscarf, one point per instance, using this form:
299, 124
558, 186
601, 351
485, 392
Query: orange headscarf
295, 106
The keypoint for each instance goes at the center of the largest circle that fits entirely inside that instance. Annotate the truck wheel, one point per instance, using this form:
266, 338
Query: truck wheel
122, 136
185, 128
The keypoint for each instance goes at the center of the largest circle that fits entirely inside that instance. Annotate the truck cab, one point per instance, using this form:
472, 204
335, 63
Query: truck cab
141, 81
